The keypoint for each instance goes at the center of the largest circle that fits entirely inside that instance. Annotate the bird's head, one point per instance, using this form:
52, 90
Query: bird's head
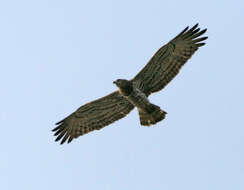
121, 83
125, 86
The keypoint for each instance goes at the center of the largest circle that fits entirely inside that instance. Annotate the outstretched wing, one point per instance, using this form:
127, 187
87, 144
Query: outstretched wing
93, 116
169, 59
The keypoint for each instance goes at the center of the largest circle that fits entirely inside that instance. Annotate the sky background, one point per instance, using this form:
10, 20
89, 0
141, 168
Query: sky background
57, 55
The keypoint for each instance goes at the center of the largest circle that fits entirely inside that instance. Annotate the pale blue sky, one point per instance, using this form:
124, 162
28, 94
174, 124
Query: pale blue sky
58, 55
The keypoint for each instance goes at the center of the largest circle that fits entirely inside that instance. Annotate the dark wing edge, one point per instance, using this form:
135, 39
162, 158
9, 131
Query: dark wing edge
92, 116
166, 63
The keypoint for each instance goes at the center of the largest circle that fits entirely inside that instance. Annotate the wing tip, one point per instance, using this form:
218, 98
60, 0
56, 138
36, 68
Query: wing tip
200, 44
65, 139
195, 26
204, 30
189, 32
59, 122
60, 132
55, 129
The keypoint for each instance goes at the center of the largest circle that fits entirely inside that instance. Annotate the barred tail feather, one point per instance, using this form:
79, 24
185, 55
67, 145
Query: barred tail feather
153, 115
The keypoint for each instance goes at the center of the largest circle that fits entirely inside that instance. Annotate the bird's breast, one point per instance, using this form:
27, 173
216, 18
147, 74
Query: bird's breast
138, 99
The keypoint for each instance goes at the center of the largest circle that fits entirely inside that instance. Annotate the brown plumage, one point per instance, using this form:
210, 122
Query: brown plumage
159, 71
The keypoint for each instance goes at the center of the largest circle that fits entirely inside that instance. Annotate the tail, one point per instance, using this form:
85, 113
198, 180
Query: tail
153, 115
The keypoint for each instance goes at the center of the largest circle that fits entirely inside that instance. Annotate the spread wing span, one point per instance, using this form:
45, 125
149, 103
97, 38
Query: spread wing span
168, 60
93, 116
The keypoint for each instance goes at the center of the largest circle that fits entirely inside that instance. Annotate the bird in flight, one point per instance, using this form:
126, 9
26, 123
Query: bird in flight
159, 71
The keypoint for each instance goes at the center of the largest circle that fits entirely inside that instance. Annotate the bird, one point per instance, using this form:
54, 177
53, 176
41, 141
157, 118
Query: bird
164, 65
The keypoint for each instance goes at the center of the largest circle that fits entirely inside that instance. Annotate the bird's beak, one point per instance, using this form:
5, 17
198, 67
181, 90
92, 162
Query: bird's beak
115, 82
